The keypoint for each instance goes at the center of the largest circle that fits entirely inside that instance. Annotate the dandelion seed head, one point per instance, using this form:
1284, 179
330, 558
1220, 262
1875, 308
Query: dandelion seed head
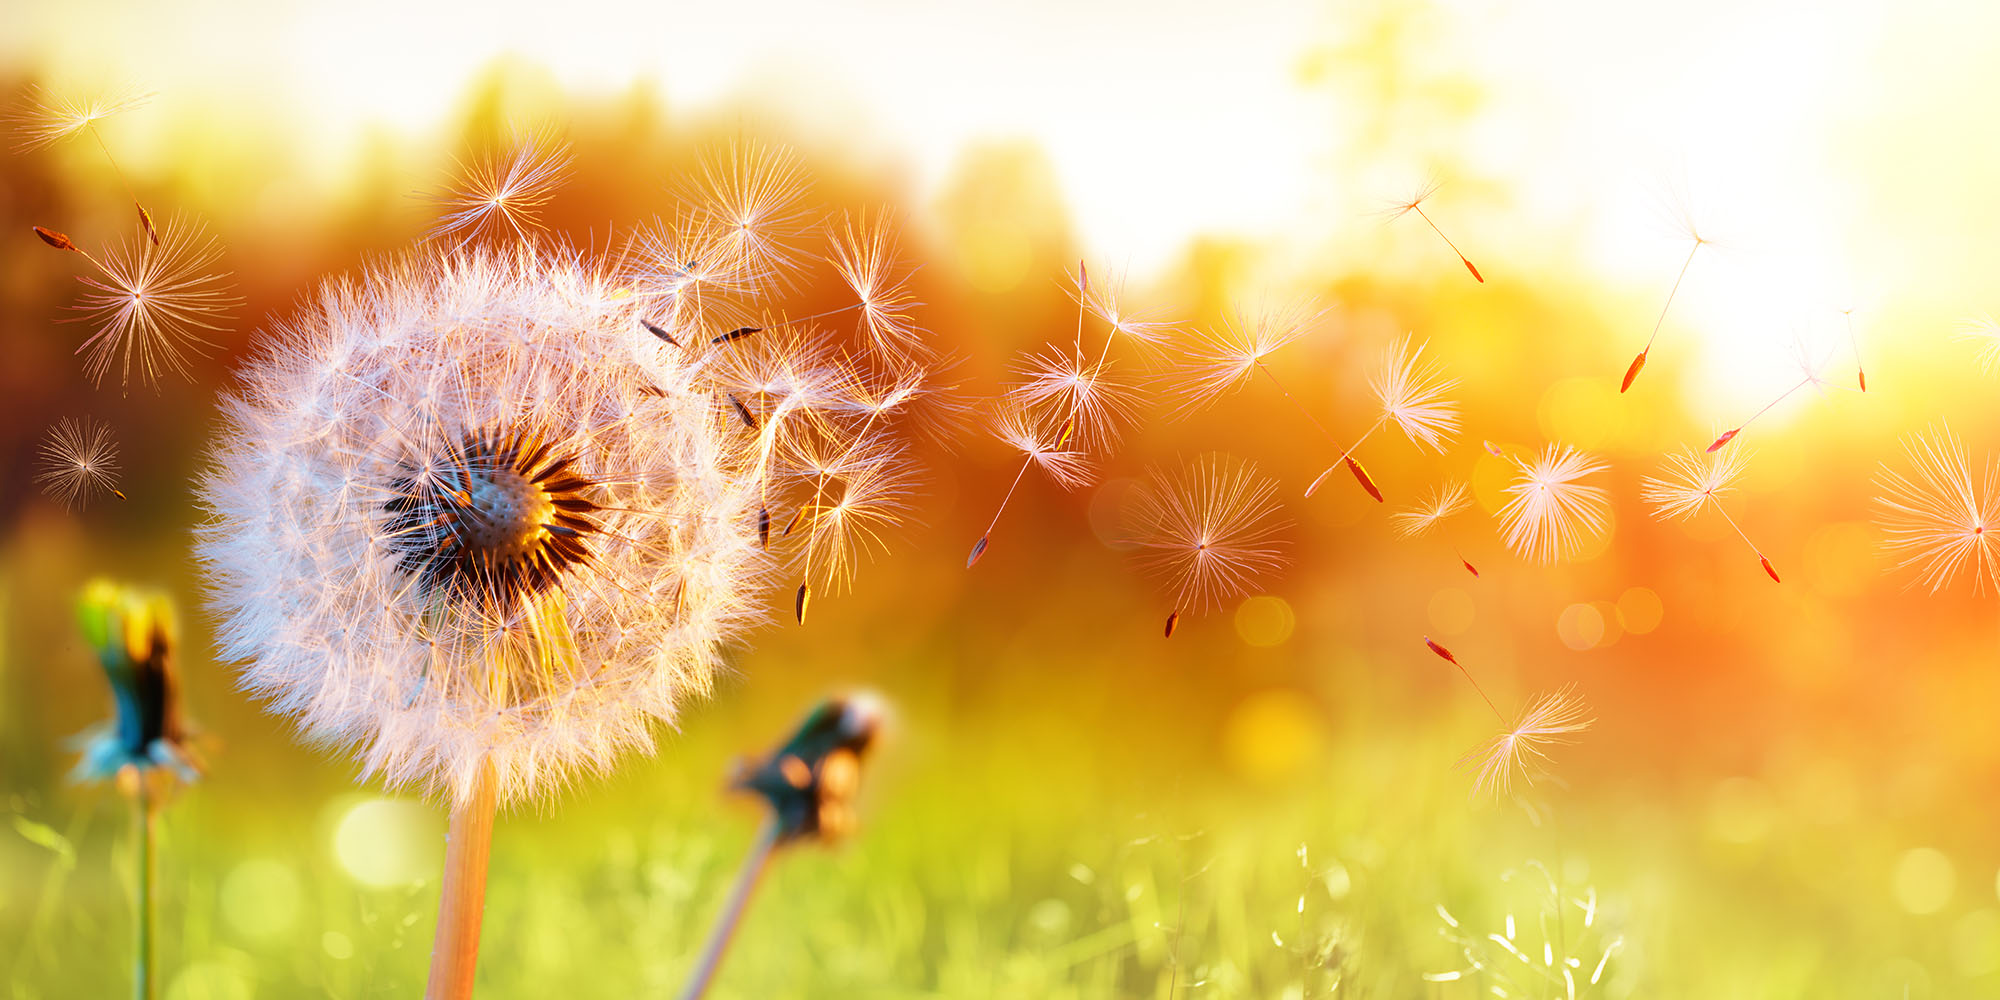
1940, 519
78, 461
1442, 502
1207, 532
1550, 512
1104, 299
466, 508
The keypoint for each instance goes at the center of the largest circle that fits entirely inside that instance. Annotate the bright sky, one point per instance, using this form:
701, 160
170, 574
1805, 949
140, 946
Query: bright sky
1793, 128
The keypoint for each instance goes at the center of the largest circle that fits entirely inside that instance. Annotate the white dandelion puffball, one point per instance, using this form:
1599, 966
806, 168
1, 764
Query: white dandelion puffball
467, 508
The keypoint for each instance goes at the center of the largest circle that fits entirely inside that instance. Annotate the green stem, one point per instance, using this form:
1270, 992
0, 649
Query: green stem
732, 911
142, 959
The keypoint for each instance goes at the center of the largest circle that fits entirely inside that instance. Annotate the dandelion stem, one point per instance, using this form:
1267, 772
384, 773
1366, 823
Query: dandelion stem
1670, 295
1449, 243
1343, 456
1287, 393
1011, 487
731, 916
462, 901
142, 957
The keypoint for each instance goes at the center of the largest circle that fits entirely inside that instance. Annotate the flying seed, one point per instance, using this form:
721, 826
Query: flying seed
737, 334
1361, 476
56, 239
1441, 651
1173, 622
1768, 568
660, 332
742, 411
799, 603
1632, 372
978, 550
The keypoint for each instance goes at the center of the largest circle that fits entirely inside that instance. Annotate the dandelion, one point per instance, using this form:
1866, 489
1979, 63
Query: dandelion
150, 302
809, 785
1694, 234
1415, 204
1693, 482
1939, 518
1550, 720
1812, 369
503, 191
1443, 502
1411, 393
78, 461
1040, 446
146, 746
1209, 533
1550, 512
1984, 334
46, 119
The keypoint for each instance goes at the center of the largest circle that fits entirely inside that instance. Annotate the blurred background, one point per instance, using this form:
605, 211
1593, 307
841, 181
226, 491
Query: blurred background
1784, 793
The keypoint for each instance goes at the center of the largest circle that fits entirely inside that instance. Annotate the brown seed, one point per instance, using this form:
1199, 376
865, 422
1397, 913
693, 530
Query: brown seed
1173, 622
56, 239
764, 527
978, 550
660, 332
1068, 428
1441, 651
1632, 372
1469, 567
742, 412
737, 334
1768, 568
1474, 270
1314, 488
1724, 439
146, 220
793, 523
1361, 476
799, 603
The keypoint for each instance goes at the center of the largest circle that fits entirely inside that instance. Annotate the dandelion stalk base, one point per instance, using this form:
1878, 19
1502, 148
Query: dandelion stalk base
462, 901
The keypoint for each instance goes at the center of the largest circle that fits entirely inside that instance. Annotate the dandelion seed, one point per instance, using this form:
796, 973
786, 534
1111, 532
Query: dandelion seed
503, 191
737, 334
1811, 366
1550, 720
1693, 482
45, 119
1103, 300
149, 302
1221, 358
1860, 373
1061, 382
751, 204
865, 259
1984, 334
1940, 519
78, 461
1694, 234
1049, 451
1411, 393
1415, 204
60, 241
1549, 513
1208, 533
1443, 502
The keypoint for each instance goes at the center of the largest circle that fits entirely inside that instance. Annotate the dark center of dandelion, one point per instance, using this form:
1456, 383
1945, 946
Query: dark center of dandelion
493, 522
